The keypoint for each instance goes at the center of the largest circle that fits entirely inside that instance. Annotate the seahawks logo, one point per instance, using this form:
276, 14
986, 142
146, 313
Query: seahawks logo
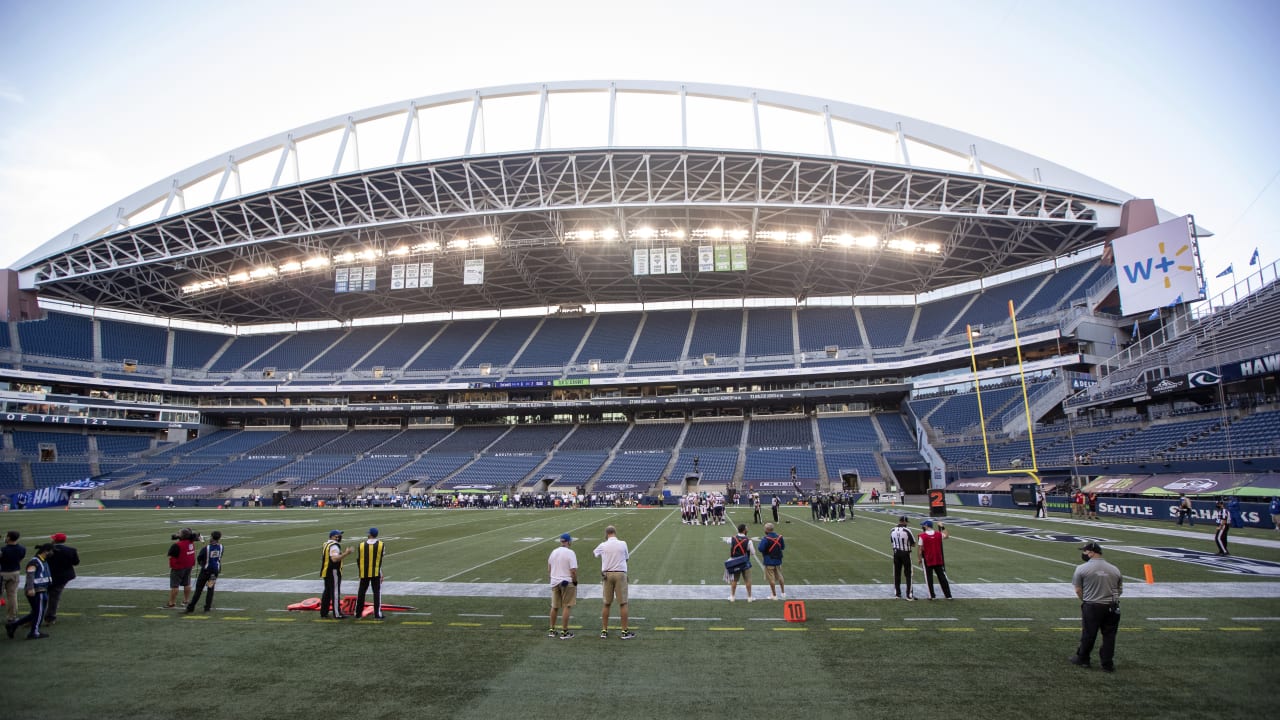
1202, 378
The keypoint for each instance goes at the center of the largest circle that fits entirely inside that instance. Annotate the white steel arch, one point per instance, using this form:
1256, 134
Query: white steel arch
222, 178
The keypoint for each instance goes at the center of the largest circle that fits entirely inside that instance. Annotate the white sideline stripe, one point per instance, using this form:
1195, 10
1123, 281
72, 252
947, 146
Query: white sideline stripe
1255, 619
1178, 618
984, 591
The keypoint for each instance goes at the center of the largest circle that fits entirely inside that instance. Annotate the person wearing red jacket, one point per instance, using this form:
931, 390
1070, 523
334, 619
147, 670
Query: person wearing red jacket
182, 557
930, 542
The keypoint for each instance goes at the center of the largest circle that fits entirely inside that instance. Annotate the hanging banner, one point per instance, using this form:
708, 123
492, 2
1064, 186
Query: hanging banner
369, 284
1156, 268
722, 258
410, 276
657, 262
427, 275
639, 262
673, 261
706, 259
340, 281
739, 254
397, 277
355, 279
473, 272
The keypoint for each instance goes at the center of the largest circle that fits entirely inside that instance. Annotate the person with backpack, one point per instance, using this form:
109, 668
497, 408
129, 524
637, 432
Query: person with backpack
771, 547
740, 545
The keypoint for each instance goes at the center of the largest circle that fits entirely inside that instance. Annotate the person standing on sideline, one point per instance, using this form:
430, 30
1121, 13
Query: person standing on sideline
1223, 518
1098, 584
562, 569
771, 547
11, 555
1275, 512
1185, 510
904, 545
774, 504
755, 508
740, 544
931, 557
613, 554
62, 565
182, 557
37, 590
1040, 503
332, 555
210, 562
369, 562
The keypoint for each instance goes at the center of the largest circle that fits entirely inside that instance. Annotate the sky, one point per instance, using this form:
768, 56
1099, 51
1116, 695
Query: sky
1172, 100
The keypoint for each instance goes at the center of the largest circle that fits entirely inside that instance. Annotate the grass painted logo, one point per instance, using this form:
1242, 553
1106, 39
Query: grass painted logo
1144, 270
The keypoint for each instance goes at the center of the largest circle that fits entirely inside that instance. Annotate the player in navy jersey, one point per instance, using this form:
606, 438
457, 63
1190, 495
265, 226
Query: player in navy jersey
210, 562
37, 589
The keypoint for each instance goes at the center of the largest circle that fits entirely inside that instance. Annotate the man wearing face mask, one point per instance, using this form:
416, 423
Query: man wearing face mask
1098, 584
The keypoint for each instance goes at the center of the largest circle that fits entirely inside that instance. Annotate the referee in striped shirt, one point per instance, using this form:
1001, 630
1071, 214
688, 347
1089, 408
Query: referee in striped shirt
903, 544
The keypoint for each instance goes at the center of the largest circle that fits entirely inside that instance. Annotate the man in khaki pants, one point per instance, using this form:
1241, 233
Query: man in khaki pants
613, 556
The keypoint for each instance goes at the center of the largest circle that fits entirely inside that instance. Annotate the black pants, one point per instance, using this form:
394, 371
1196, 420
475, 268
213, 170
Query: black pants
39, 611
941, 571
756, 514
1186, 515
1095, 617
901, 567
331, 600
775, 514
1220, 537
365, 584
206, 578
55, 597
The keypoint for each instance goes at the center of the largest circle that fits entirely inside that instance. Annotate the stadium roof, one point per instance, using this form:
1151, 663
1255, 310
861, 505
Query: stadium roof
802, 196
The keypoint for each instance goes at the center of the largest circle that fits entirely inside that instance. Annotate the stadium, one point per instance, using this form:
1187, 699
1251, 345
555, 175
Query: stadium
622, 292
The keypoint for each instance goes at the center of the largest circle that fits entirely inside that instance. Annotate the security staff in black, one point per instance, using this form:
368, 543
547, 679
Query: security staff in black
37, 589
369, 562
210, 562
331, 571
1098, 584
903, 544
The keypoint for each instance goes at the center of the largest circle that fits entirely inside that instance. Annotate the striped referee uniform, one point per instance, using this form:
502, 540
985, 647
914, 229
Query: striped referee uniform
903, 543
369, 560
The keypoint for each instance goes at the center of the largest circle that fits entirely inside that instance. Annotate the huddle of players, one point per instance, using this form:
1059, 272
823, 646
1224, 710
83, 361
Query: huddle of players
830, 507
702, 509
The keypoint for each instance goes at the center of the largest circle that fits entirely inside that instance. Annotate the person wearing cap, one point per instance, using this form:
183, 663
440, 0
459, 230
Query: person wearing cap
331, 570
562, 569
613, 554
1098, 585
931, 557
771, 548
182, 558
904, 544
11, 555
1223, 518
210, 562
37, 590
369, 562
62, 564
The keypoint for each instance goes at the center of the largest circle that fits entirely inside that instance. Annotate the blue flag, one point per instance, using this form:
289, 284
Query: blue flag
1135, 329
1231, 270
1254, 260
1154, 314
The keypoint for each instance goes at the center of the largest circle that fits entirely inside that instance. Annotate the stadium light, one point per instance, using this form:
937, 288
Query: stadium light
291, 266
645, 233
738, 234
804, 237
678, 234
609, 234
262, 272
400, 251
345, 257
238, 277
315, 262
459, 244
425, 247
484, 241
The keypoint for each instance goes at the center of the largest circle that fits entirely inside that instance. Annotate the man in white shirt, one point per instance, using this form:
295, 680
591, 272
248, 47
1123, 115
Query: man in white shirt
562, 567
613, 556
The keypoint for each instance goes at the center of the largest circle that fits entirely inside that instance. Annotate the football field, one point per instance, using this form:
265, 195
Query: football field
1201, 638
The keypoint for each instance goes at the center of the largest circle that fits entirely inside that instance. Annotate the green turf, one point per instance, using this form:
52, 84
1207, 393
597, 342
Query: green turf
488, 657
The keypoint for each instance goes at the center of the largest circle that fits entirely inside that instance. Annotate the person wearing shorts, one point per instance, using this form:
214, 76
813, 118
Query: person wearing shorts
182, 557
771, 547
613, 554
562, 569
